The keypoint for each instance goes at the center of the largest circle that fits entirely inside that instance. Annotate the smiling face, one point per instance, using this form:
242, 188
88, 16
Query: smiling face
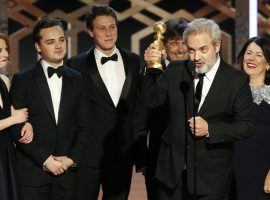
104, 33
202, 51
3, 53
176, 49
52, 46
254, 62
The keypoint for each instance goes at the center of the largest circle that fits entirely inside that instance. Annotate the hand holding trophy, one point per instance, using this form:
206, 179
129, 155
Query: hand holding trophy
159, 29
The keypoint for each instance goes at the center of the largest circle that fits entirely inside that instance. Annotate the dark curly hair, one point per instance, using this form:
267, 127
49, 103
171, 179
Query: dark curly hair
175, 29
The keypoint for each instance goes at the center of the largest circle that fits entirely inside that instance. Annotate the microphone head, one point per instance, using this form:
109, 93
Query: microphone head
184, 87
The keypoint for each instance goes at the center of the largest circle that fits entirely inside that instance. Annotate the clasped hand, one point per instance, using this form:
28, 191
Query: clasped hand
58, 165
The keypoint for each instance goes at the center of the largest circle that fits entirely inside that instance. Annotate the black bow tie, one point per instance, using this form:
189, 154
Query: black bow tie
59, 71
114, 57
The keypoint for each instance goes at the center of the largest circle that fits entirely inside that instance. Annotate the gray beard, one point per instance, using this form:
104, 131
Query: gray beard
206, 68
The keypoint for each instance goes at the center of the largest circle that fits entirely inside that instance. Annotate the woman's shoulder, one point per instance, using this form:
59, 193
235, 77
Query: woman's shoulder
6, 80
261, 93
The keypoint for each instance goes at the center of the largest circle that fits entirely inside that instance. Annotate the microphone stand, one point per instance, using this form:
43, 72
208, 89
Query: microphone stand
195, 113
184, 87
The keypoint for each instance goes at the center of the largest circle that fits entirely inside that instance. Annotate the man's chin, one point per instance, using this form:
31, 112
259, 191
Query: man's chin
57, 60
202, 69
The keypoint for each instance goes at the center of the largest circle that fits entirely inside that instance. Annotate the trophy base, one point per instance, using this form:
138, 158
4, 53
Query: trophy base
154, 67
154, 72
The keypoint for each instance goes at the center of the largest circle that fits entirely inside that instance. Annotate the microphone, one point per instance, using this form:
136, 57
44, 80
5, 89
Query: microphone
191, 66
184, 87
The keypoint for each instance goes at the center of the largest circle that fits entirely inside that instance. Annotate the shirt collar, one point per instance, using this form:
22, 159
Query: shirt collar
99, 54
45, 66
166, 61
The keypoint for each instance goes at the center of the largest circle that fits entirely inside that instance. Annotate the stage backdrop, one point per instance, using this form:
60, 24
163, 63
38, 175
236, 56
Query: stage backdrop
136, 20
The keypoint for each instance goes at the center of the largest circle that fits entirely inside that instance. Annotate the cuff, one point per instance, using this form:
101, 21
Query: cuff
44, 164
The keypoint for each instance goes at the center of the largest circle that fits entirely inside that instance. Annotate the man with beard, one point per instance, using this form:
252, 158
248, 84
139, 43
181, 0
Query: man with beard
203, 113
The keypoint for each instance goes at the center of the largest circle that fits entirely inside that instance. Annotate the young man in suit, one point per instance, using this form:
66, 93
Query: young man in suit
55, 97
222, 113
175, 49
113, 77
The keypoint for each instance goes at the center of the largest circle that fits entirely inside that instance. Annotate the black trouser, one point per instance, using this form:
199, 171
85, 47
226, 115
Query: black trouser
50, 191
115, 181
180, 192
151, 183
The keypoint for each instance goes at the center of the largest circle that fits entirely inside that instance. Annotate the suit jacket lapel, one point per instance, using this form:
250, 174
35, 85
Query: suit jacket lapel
67, 83
128, 73
94, 74
43, 88
216, 86
190, 94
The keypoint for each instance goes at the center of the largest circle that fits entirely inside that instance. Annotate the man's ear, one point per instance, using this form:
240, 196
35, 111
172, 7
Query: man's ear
38, 47
217, 46
90, 33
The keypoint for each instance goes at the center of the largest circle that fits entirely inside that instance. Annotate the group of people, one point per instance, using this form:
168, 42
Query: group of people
197, 130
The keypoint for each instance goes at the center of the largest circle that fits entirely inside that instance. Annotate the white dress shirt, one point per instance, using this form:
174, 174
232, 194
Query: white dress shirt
112, 74
55, 86
167, 62
207, 81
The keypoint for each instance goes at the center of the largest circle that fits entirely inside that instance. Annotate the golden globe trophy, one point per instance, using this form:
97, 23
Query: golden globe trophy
159, 29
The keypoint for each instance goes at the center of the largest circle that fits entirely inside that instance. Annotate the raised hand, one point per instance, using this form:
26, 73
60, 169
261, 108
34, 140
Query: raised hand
152, 53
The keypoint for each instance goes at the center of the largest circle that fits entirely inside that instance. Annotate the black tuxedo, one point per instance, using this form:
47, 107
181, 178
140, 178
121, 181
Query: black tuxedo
149, 142
66, 138
110, 147
227, 108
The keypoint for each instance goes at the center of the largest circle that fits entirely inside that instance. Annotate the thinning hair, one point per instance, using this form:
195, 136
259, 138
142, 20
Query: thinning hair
203, 25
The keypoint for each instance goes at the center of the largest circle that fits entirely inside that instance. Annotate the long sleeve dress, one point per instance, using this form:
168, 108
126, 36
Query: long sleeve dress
252, 156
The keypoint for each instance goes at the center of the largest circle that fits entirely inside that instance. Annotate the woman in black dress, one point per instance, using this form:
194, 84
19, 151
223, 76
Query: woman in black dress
7, 176
252, 156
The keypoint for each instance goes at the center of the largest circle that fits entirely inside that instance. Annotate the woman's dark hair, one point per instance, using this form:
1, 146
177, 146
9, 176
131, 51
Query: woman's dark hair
99, 10
264, 44
45, 23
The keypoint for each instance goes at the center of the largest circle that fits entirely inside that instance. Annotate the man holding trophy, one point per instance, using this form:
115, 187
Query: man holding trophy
174, 49
205, 117
169, 45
